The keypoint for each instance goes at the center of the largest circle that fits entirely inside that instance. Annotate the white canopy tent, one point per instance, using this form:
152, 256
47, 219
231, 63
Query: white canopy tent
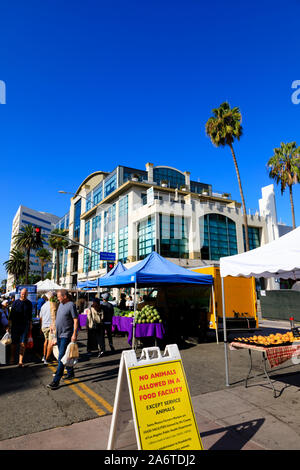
47, 285
279, 258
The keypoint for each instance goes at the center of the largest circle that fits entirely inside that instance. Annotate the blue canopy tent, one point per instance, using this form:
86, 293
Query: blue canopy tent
87, 284
117, 269
153, 271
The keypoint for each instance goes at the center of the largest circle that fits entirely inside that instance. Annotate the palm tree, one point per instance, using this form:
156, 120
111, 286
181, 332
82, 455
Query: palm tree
26, 239
44, 256
58, 243
223, 128
16, 264
284, 168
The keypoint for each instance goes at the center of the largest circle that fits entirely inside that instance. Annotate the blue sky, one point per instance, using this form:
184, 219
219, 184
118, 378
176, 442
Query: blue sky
93, 84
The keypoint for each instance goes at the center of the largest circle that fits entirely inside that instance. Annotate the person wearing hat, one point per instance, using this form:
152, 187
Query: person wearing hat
108, 312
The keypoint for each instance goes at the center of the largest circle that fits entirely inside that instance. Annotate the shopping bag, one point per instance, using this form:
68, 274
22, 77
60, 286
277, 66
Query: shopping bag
74, 351
55, 351
66, 359
6, 339
29, 343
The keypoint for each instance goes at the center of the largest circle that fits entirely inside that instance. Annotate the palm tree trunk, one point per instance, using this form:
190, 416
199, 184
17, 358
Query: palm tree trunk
242, 197
57, 266
42, 270
27, 266
292, 206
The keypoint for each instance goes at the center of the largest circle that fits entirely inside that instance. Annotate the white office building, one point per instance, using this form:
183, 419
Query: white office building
132, 212
47, 222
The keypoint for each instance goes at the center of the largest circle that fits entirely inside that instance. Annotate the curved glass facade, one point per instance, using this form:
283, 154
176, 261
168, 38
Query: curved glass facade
217, 236
175, 178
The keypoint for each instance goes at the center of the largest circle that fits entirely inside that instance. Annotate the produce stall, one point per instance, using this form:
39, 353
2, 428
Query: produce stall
148, 323
275, 349
153, 271
279, 258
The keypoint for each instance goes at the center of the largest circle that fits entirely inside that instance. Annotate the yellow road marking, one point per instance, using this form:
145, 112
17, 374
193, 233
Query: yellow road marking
96, 396
87, 400
84, 397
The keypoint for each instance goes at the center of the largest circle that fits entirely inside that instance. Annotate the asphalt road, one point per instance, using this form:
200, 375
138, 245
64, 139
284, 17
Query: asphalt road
28, 406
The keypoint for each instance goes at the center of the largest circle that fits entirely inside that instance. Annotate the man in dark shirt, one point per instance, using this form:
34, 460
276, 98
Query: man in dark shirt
108, 310
20, 324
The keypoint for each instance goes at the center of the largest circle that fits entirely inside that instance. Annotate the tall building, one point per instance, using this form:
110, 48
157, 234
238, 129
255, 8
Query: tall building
47, 222
132, 212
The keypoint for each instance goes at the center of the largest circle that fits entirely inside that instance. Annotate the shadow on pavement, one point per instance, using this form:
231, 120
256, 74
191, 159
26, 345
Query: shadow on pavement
235, 437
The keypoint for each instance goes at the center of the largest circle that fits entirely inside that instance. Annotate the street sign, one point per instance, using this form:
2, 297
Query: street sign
105, 256
157, 397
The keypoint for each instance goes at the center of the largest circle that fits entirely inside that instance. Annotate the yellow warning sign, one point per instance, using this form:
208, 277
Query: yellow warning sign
163, 409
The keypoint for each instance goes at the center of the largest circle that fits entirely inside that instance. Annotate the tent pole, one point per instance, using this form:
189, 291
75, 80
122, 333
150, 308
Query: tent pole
214, 312
133, 329
225, 333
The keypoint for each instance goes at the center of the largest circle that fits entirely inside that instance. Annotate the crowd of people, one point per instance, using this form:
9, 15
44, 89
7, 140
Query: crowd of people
58, 315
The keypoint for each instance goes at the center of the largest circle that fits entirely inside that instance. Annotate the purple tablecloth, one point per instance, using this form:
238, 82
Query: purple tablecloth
82, 320
125, 324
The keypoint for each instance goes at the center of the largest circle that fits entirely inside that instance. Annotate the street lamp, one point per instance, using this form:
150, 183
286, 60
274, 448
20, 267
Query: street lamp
73, 194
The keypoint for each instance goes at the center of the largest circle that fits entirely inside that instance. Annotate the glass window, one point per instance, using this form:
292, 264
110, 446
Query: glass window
95, 261
123, 211
173, 236
77, 214
129, 173
110, 184
123, 229
95, 245
123, 244
254, 237
109, 241
98, 193
217, 236
65, 262
146, 237
199, 187
175, 178
89, 201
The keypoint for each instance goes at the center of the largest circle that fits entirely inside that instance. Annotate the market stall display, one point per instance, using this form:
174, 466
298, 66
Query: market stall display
142, 330
278, 259
154, 270
274, 351
269, 341
148, 323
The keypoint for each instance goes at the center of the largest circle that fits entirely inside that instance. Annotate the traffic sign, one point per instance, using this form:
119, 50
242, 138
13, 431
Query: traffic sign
105, 256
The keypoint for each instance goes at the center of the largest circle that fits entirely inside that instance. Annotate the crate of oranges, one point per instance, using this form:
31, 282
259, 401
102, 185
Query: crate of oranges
270, 341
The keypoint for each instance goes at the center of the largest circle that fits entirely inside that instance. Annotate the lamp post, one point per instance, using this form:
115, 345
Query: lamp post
75, 194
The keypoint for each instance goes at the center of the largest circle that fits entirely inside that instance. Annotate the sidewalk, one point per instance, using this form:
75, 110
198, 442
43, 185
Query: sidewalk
232, 419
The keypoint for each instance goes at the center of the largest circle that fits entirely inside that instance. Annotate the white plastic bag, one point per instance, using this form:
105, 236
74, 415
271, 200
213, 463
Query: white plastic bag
6, 339
66, 360
55, 351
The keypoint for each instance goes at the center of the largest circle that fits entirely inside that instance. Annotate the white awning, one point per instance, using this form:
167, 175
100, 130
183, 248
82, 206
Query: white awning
279, 258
